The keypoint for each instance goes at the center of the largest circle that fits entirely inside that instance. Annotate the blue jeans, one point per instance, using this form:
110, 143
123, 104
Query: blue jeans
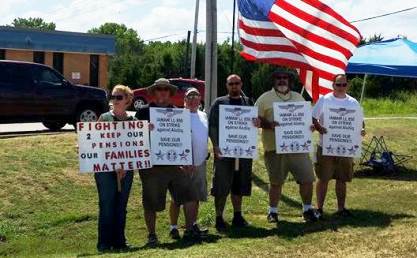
112, 209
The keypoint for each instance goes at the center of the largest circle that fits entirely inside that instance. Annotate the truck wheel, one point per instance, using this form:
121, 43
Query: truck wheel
87, 114
54, 126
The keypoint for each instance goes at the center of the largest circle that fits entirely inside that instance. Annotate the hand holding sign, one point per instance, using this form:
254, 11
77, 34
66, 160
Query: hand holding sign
113, 146
344, 126
293, 135
171, 136
238, 132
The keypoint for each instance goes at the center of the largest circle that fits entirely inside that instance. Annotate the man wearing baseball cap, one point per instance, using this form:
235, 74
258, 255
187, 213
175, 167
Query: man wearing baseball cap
159, 179
199, 134
278, 165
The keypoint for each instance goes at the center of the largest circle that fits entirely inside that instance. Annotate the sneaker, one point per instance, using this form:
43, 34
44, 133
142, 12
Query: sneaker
272, 217
152, 240
239, 222
174, 234
191, 235
103, 249
344, 213
320, 214
310, 215
122, 247
221, 225
201, 232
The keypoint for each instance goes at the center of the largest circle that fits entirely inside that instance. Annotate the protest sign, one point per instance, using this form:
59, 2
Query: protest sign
343, 137
171, 136
238, 137
293, 135
108, 146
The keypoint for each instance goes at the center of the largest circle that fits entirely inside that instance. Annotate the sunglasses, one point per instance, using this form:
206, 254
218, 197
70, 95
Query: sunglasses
233, 83
341, 84
116, 97
162, 89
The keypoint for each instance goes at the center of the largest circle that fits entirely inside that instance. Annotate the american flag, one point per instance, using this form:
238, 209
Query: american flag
303, 34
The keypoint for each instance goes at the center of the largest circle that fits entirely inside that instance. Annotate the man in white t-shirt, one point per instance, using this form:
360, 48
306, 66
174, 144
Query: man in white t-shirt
329, 167
199, 134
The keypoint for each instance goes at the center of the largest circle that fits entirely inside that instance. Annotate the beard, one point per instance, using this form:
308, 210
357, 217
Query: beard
283, 89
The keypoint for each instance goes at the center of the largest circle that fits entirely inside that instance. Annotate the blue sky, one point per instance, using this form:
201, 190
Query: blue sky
157, 18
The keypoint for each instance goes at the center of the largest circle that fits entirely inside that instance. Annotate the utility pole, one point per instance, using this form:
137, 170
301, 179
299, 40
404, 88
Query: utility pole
211, 54
232, 55
194, 48
187, 53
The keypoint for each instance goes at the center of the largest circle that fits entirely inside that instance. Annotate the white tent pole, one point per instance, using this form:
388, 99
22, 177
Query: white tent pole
363, 87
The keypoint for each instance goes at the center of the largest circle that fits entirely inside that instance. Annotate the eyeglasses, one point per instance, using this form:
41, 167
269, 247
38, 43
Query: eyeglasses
193, 96
116, 97
233, 83
341, 84
162, 89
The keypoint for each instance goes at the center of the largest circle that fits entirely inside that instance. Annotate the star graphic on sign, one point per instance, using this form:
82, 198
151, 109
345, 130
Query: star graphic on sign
238, 151
227, 151
330, 149
184, 155
159, 155
341, 150
352, 151
249, 151
306, 145
284, 147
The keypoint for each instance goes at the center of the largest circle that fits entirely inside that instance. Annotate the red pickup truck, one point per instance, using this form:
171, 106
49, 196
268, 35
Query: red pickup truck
142, 98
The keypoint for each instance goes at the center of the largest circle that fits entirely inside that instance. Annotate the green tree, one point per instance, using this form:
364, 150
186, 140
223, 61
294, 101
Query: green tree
33, 23
126, 65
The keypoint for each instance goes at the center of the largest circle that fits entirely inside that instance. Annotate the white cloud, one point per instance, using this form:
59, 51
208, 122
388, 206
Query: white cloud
156, 18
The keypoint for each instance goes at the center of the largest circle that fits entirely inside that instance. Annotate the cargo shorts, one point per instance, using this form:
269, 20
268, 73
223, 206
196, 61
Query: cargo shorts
329, 167
279, 165
158, 180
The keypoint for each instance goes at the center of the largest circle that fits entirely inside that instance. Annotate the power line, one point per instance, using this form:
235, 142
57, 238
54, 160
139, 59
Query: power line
383, 15
162, 37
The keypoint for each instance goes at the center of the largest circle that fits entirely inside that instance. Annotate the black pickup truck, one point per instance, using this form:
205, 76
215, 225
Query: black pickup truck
32, 92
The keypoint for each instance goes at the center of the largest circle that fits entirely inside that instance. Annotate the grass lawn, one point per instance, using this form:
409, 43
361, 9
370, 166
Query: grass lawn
404, 104
47, 209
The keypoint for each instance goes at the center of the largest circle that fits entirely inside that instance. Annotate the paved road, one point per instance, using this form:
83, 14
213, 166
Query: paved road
32, 127
27, 127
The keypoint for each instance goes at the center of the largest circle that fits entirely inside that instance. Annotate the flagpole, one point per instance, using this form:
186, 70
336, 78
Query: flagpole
211, 53
194, 47
232, 57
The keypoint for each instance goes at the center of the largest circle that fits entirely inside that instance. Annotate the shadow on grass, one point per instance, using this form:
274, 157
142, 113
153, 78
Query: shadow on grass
402, 174
265, 187
290, 230
180, 244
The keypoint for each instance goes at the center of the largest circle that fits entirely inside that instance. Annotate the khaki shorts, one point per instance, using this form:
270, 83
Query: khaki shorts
278, 166
329, 167
158, 180
199, 182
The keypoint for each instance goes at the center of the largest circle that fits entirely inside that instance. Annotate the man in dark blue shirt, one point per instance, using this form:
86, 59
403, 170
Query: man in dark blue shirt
226, 180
